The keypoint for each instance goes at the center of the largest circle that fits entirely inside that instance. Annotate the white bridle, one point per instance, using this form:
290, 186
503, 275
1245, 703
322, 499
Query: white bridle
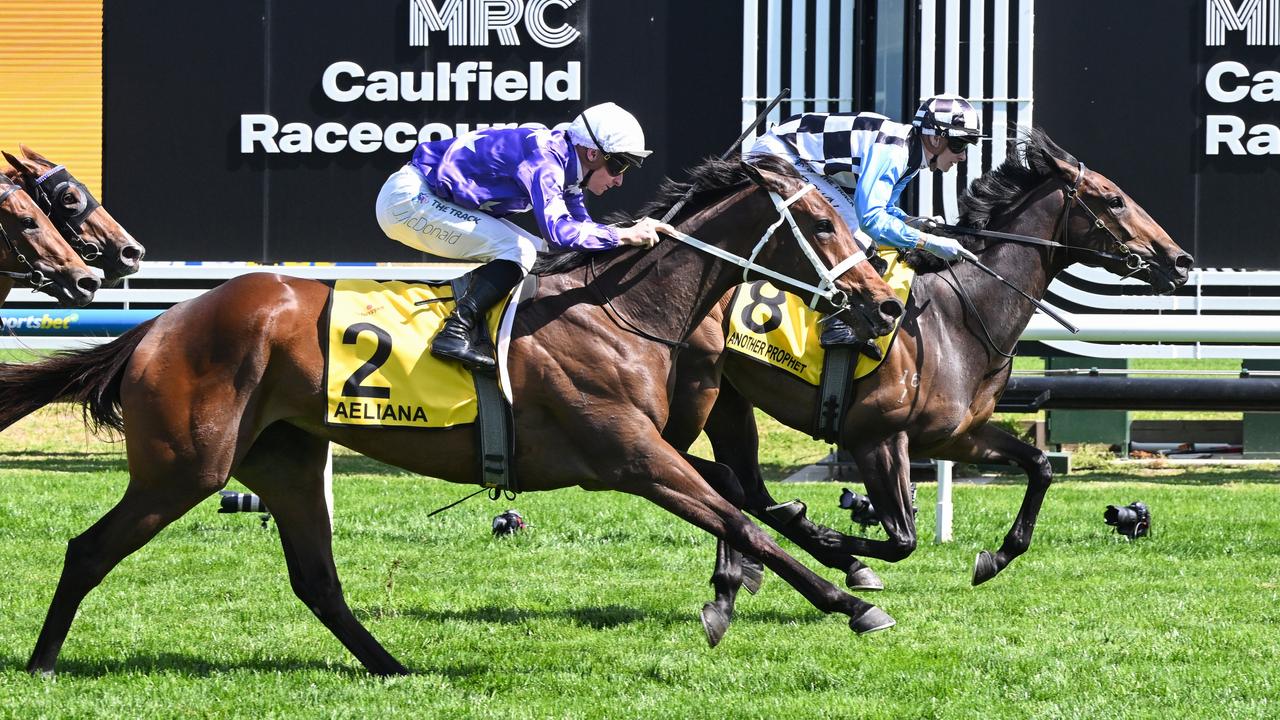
825, 290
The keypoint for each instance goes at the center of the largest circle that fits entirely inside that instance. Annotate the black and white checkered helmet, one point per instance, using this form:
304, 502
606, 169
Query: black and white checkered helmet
948, 116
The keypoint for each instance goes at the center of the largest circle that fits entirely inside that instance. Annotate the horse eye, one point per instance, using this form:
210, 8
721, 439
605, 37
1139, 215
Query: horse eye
1116, 202
69, 199
29, 223
825, 227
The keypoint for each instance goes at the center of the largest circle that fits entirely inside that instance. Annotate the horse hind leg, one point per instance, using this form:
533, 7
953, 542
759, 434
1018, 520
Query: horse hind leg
286, 468
992, 445
144, 510
689, 495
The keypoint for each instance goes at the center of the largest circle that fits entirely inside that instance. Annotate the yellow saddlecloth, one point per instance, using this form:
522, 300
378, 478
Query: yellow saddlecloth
377, 370
778, 328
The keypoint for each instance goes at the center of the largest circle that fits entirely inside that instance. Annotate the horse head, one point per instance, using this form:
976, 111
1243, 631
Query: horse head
1098, 215
836, 258
84, 224
31, 250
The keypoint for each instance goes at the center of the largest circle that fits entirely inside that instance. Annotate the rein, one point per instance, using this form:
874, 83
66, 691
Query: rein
1123, 252
825, 290
33, 276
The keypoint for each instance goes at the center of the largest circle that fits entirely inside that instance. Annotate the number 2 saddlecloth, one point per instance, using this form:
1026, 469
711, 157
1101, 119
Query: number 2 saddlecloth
779, 329
377, 370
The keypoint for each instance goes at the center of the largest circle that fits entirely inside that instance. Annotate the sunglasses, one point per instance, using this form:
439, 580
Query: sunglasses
616, 164
959, 145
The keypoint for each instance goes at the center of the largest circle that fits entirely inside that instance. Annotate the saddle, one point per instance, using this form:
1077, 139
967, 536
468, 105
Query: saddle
378, 372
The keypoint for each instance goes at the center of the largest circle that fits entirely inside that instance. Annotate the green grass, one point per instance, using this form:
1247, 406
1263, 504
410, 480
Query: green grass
593, 611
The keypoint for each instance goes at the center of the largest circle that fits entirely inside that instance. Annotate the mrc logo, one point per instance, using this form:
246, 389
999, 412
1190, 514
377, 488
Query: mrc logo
470, 22
1259, 20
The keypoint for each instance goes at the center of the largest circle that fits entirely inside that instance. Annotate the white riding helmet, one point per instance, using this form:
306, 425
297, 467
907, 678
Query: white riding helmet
949, 116
611, 130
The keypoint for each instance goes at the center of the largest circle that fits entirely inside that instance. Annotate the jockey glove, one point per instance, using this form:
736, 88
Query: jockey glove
943, 247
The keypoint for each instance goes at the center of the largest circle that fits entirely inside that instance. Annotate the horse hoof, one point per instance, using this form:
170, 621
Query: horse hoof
714, 623
752, 574
871, 621
864, 578
984, 567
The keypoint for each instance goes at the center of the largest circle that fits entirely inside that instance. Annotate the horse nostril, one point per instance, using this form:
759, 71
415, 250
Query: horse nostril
89, 284
1184, 261
133, 253
891, 309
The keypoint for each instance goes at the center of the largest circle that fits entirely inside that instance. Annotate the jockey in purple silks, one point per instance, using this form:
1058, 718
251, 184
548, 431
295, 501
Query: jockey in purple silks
449, 200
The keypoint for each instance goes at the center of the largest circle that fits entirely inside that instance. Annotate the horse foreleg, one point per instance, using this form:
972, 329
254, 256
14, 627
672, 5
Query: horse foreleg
731, 428
666, 480
886, 471
285, 467
990, 444
145, 509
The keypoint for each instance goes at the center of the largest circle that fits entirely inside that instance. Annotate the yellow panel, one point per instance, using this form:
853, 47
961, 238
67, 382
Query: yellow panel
51, 82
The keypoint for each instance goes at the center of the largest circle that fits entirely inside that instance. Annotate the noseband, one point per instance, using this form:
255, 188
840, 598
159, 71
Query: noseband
33, 276
67, 220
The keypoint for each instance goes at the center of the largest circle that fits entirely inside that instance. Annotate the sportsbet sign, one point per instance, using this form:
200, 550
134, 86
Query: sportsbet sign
442, 28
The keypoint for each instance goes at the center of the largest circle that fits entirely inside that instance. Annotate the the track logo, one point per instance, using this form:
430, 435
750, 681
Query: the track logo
471, 22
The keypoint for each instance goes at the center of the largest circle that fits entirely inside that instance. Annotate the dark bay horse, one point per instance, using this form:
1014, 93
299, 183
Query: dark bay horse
33, 253
84, 223
940, 380
231, 384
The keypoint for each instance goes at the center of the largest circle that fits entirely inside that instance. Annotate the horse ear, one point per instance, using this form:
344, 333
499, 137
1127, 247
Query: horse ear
35, 156
763, 178
20, 165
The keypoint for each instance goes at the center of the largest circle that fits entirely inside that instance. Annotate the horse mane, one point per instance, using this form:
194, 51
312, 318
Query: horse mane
994, 192
712, 176
999, 189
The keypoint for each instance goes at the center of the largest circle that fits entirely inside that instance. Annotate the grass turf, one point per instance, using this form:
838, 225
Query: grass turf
593, 611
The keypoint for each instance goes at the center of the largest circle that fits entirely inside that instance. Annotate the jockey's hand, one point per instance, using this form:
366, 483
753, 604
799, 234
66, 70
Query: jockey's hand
926, 223
939, 246
644, 233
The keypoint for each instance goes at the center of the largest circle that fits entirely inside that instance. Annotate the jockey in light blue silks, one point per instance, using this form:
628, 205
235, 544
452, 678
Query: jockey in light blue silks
862, 162
449, 200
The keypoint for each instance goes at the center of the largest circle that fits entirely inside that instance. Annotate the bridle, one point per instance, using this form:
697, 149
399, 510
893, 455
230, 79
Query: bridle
1122, 252
32, 276
67, 220
824, 290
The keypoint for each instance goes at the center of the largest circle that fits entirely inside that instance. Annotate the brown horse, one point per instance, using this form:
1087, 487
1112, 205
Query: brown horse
84, 223
32, 252
231, 384
940, 380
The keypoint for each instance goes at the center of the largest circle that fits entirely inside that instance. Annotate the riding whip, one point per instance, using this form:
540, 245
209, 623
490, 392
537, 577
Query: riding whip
786, 92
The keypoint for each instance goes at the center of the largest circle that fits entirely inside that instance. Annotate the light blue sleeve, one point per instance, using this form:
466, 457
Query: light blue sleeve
877, 194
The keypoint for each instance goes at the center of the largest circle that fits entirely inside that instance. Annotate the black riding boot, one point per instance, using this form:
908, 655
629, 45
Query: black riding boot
836, 332
489, 285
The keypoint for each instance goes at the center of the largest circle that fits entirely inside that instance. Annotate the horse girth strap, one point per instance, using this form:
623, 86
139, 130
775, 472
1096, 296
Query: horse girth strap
834, 391
494, 422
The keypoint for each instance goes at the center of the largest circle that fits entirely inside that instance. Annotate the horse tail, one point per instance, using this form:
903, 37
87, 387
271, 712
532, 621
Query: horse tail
89, 378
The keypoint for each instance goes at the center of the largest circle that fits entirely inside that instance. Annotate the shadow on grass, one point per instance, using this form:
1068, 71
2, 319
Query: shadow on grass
69, 462
598, 618
184, 664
